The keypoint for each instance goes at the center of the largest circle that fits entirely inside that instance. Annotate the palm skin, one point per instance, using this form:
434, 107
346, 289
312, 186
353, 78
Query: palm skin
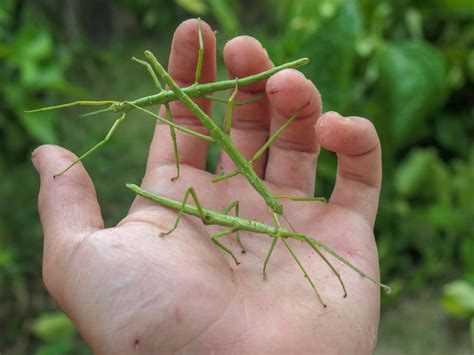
128, 290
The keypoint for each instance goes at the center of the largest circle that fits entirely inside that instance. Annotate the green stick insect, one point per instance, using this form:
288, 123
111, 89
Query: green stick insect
164, 97
216, 135
237, 223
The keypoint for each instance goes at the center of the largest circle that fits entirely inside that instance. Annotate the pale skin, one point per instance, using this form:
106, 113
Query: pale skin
129, 291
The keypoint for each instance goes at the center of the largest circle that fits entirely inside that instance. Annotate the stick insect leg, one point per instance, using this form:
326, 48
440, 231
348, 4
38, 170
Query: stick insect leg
275, 135
290, 249
158, 85
200, 53
218, 235
98, 145
267, 259
347, 263
236, 102
226, 210
272, 246
174, 125
175, 143
225, 176
301, 198
307, 240
75, 103
193, 194
151, 72
316, 249
228, 114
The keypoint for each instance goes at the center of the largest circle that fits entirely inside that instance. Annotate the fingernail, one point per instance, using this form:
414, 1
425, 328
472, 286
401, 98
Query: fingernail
338, 116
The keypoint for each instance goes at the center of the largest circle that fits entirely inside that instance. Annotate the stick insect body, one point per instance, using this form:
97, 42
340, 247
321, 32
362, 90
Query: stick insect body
237, 223
222, 138
167, 96
217, 136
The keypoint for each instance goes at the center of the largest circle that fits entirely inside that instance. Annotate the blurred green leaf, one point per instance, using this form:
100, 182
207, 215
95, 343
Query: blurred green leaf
452, 5
53, 326
34, 45
41, 126
329, 40
416, 176
225, 15
59, 347
412, 85
448, 126
458, 298
195, 7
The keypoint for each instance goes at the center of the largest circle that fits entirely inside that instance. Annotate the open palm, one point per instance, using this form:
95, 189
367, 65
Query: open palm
128, 290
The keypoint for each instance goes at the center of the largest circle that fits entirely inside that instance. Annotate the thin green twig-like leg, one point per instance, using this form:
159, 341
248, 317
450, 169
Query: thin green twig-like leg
150, 71
218, 235
214, 238
193, 194
236, 102
275, 135
272, 246
75, 103
386, 288
226, 210
174, 139
262, 149
329, 264
267, 259
98, 145
293, 254
174, 125
301, 198
225, 176
158, 85
200, 53
228, 114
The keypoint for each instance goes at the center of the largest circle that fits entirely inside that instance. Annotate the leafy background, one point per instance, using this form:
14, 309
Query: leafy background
408, 65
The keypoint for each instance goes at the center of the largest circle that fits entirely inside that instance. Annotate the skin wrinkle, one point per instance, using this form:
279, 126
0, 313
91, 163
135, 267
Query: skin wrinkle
375, 147
201, 333
238, 338
367, 221
358, 179
294, 146
362, 196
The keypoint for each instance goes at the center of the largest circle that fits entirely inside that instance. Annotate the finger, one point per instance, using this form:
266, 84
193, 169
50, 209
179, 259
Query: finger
245, 56
67, 205
182, 67
293, 155
359, 173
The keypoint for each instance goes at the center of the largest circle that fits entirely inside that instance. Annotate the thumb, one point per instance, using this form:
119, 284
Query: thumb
67, 205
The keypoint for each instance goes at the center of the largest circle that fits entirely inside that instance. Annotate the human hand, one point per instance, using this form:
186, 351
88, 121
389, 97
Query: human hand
126, 289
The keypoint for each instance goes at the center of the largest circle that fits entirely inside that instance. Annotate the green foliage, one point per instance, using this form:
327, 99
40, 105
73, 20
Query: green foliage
57, 334
412, 81
50, 327
458, 298
31, 65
